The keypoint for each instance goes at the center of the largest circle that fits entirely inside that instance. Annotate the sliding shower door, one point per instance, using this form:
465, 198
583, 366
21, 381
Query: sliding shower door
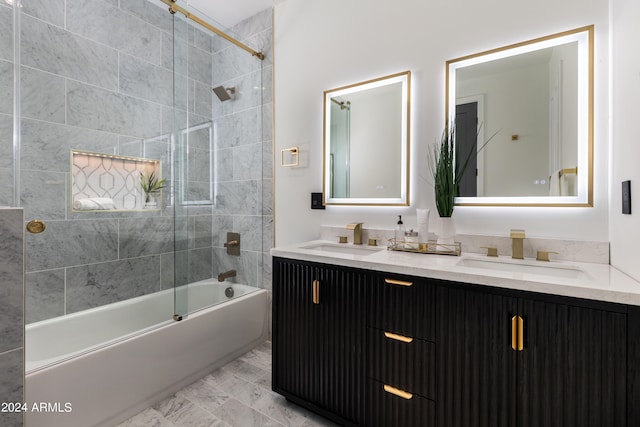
95, 130
130, 170
218, 164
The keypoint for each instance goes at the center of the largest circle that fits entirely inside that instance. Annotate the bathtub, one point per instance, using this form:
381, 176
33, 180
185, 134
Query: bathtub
85, 369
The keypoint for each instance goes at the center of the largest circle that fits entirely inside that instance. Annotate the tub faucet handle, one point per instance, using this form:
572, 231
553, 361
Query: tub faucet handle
233, 243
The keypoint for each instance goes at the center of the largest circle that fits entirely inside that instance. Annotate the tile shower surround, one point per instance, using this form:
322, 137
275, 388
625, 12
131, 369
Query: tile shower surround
98, 78
11, 312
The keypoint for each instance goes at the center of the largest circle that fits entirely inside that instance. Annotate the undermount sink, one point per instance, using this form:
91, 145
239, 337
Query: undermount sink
344, 248
516, 266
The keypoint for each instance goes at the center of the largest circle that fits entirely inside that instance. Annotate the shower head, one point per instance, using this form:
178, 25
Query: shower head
225, 93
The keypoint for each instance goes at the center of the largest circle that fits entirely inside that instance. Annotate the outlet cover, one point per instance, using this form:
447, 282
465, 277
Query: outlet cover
626, 197
316, 201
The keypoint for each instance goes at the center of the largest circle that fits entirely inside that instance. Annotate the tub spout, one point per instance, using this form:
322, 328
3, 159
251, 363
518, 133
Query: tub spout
226, 275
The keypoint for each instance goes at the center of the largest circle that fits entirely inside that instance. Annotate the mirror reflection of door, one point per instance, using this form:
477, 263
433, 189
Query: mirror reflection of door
340, 147
467, 146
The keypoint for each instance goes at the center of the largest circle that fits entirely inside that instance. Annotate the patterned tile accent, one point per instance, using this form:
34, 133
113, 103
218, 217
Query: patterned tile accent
236, 395
98, 175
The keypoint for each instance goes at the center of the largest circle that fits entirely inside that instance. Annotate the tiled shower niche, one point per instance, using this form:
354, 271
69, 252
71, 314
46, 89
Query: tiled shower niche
108, 176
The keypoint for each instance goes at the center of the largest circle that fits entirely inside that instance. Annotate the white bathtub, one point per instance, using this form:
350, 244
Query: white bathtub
104, 376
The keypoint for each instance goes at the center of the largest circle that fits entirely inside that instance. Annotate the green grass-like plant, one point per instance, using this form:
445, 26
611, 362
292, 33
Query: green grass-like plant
443, 161
151, 184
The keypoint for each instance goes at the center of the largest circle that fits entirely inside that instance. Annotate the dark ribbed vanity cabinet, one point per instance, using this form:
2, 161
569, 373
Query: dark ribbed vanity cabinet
401, 352
384, 350
319, 337
564, 364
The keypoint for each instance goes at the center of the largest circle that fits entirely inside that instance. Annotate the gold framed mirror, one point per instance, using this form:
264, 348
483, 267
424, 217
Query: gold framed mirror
538, 96
366, 142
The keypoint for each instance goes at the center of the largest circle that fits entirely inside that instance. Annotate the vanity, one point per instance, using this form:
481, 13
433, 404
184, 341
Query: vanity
370, 337
385, 338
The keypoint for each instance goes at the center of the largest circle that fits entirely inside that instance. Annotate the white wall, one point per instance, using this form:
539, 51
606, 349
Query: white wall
322, 45
625, 229
376, 134
512, 167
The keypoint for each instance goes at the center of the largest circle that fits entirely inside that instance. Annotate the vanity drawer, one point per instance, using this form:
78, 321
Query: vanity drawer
403, 362
403, 305
390, 407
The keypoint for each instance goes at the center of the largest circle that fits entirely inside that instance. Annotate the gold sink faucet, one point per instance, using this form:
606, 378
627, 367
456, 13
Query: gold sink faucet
517, 244
357, 232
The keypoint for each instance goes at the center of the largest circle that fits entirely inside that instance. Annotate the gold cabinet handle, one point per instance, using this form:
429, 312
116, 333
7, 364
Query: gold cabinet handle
397, 282
520, 333
517, 333
397, 337
36, 226
316, 292
396, 391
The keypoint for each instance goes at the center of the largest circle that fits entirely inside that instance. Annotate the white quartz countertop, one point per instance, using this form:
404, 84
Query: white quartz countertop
600, 282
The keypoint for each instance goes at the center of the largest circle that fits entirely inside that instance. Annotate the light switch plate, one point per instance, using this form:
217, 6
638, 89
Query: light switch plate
316, 201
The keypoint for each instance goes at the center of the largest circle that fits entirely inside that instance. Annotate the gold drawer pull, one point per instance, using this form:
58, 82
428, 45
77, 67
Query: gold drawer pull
401, 393
517, 333
316, 292
514, 332
398, 282
398, 337
520, 333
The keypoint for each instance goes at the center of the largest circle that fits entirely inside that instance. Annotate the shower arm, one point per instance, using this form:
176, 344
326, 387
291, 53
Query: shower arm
173, 8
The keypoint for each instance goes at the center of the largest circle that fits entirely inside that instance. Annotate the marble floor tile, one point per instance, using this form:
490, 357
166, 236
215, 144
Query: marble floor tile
236, 395
172, 405
245, 370
205, 395
237, 413
257, 358
244, 391
149, 417
196, 417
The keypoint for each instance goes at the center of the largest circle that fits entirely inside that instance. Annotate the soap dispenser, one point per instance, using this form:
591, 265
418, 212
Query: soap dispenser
399, 234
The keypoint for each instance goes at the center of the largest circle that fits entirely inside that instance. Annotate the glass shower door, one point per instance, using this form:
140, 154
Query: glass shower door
94, 117
218, 92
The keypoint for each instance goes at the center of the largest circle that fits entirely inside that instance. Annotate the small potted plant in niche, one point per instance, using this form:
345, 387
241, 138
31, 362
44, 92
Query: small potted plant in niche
447, 171
151, 186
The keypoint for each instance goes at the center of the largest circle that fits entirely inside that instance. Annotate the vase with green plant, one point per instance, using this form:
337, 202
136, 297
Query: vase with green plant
151, 186
447, 170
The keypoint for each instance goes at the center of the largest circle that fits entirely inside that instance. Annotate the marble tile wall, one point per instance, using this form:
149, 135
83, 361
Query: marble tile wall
243, 147
6, 102
97, 75
80, 61
11, 312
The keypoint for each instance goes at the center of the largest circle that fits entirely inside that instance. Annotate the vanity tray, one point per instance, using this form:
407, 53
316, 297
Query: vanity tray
431, 247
